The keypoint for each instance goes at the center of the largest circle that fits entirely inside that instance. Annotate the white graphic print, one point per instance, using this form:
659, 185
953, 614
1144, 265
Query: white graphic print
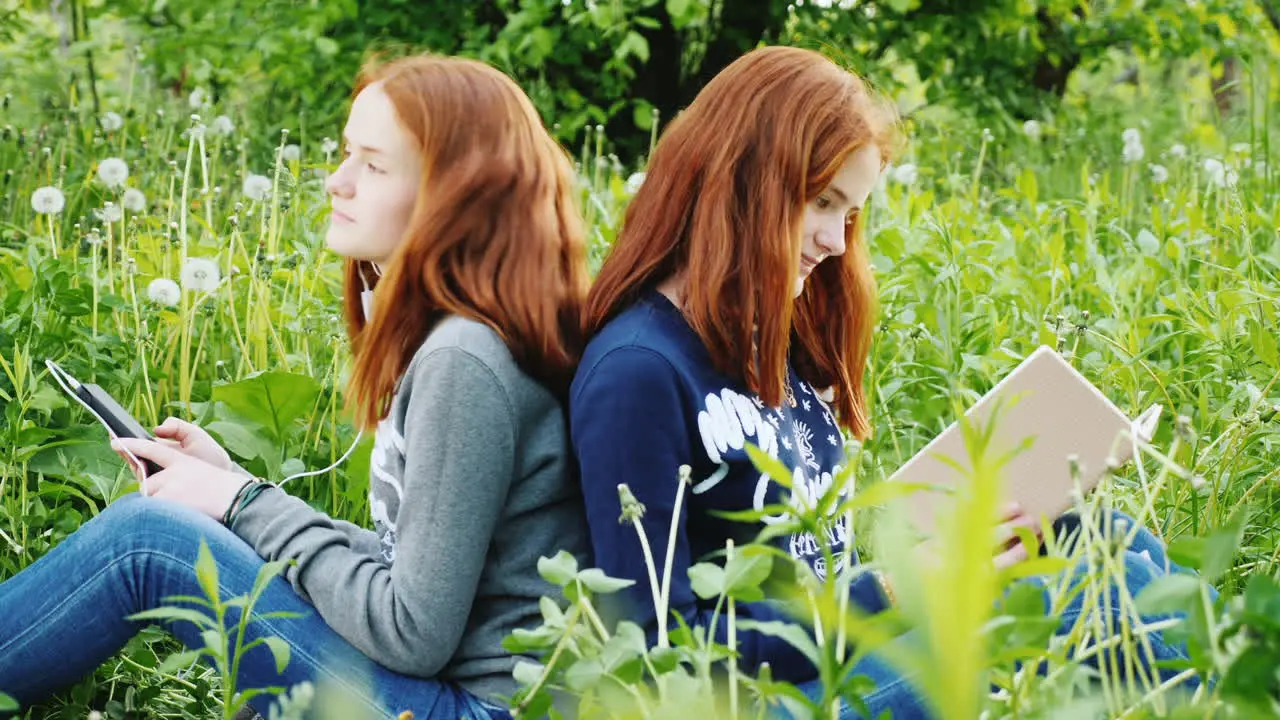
386, 493
728, 421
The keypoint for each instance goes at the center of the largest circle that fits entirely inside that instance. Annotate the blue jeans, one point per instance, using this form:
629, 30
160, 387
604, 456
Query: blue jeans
65, 614
1145, 559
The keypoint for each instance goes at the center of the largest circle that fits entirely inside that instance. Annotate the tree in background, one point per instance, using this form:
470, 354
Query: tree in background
615, 62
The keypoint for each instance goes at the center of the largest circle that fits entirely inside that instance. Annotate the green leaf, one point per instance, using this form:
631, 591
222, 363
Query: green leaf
1171, 593
633, 44
527, 673
327, 47
599, 583
664, 660
273, 399
244, 441
1220, 547
179, 661
1147, 242
795, 635
174, 614
770, 466
1262, 599
707, 580
8, 704
279, 650
744, 573
559, 570
207, 572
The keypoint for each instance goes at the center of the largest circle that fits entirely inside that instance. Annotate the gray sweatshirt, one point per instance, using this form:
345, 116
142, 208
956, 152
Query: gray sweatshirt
471, 482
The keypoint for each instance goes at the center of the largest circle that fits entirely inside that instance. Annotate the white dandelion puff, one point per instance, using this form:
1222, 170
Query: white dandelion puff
198, 98
200, 275
1133, 151
113, 172
1131, 136
905, 174
110, 213
328, 146
1241, 148
134, 200
1178, 150
1032, 129
222, 125
163, 291
48, 200
291, 152
634, 182
1216, 171
111, 121
257, 187
1159, 174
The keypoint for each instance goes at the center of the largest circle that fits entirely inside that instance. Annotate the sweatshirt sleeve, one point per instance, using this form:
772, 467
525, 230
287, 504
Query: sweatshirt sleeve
628, 425
459, 460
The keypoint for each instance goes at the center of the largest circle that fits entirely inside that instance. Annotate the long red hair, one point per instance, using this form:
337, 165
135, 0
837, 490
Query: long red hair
722, 206
495, 234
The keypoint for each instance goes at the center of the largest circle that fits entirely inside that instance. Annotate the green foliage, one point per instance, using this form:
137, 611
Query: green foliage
223, 648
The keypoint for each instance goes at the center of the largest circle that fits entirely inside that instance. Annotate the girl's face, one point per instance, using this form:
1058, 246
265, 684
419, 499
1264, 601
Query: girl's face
373, 191
826, 216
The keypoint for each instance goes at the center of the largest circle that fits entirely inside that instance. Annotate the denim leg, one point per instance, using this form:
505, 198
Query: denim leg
1140, 569
66, 614
893, 693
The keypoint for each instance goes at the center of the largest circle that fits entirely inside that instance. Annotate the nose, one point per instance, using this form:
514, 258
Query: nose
339, 183
830, 237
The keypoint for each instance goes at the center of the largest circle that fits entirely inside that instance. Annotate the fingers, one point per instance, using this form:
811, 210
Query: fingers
160, 454
173, 428
1011, 557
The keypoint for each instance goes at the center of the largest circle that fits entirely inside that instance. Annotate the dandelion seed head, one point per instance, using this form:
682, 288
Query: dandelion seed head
200, 275
165, 292
291, 152
48, 200
1159, 174
1178, 150
110, 213
634, 182
134, 200
1131, 136
222, 125
1032, 129
257, 187
198, 98
112, 121
1133, 152
905, 174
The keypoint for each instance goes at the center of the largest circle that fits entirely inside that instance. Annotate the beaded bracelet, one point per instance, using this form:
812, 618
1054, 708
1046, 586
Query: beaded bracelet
226, 516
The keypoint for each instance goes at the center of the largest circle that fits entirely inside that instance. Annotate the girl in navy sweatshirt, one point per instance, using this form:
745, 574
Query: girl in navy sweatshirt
737, 308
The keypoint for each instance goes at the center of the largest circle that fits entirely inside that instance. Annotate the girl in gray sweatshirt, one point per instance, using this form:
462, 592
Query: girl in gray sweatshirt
453, 207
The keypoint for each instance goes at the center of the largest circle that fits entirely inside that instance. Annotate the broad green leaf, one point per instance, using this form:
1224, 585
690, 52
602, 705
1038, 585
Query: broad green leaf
279, 650
245, 442
599, 583
275, 400
744, 573
770, 466
559, 570
527, 673
1171, 593
174, 614
795, 635
179, 661
207, 572
707, 580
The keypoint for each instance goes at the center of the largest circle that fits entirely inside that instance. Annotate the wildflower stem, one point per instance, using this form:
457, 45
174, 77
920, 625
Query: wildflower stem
733, 644
665, 599
575, 615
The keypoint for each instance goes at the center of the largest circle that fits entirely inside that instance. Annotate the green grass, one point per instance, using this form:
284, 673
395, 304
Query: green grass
1158, 292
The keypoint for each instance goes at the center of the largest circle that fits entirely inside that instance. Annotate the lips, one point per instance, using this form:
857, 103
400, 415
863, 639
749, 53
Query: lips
807, 264
340, 217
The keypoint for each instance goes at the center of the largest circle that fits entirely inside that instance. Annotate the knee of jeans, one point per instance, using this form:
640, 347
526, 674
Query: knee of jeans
135, 521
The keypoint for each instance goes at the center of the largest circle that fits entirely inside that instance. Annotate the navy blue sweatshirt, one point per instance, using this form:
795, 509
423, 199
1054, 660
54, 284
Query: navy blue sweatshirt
647, 399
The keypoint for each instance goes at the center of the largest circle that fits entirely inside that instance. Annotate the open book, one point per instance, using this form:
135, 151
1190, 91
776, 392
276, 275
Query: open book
1048, 406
